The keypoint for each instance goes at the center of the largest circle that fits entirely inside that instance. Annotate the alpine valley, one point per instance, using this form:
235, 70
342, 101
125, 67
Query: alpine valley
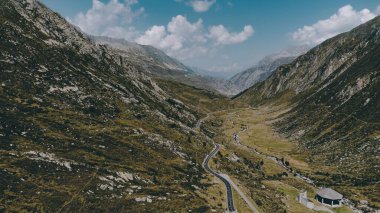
97, 124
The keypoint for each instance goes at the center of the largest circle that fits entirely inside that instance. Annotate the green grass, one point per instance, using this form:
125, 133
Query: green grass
265, 139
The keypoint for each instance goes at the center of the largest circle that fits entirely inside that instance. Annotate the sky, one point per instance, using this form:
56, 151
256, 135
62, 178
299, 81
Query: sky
221, 36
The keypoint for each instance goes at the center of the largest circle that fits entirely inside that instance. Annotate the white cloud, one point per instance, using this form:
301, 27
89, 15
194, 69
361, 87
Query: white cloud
201, 6
183, 39
179, 38
344, 20
153, 36
223, 37
111, 19
173, 38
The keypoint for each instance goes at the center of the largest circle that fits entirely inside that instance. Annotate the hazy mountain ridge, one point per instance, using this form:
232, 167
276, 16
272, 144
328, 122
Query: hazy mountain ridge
334, 90
149, 58
258, 73
215, 74
265, 67
159, 65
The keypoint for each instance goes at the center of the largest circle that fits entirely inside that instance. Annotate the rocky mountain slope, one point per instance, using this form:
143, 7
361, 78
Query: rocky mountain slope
334, 93
84, 129
148, 58
265, 67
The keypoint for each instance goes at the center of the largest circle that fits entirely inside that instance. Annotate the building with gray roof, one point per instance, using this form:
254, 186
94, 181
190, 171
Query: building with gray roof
329, 197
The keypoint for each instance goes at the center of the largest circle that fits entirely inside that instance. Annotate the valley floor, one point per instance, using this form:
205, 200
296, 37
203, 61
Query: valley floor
261, 162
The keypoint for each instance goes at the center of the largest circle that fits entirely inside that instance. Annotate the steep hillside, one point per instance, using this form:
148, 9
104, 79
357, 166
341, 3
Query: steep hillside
265, 67
334, 92
83, 129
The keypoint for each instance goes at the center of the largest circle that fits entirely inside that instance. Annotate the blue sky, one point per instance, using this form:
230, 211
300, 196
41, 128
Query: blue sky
218, 35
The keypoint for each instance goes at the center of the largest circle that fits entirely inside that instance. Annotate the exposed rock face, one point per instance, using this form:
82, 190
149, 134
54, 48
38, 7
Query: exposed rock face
82, 127
265, 67
335, 90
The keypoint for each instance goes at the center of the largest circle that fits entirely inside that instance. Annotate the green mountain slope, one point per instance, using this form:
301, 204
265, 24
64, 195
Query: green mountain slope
334, 94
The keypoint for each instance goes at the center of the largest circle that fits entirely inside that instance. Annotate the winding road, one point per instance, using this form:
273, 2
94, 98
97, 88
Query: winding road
223, 177
230, 199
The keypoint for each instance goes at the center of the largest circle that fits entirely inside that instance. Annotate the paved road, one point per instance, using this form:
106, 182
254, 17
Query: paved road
241, 193
230, 199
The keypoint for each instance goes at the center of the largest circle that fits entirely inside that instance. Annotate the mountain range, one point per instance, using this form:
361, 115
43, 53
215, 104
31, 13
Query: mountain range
94, 124
159, 65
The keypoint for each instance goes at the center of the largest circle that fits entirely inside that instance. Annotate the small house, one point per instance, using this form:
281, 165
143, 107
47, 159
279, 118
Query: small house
329, 197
